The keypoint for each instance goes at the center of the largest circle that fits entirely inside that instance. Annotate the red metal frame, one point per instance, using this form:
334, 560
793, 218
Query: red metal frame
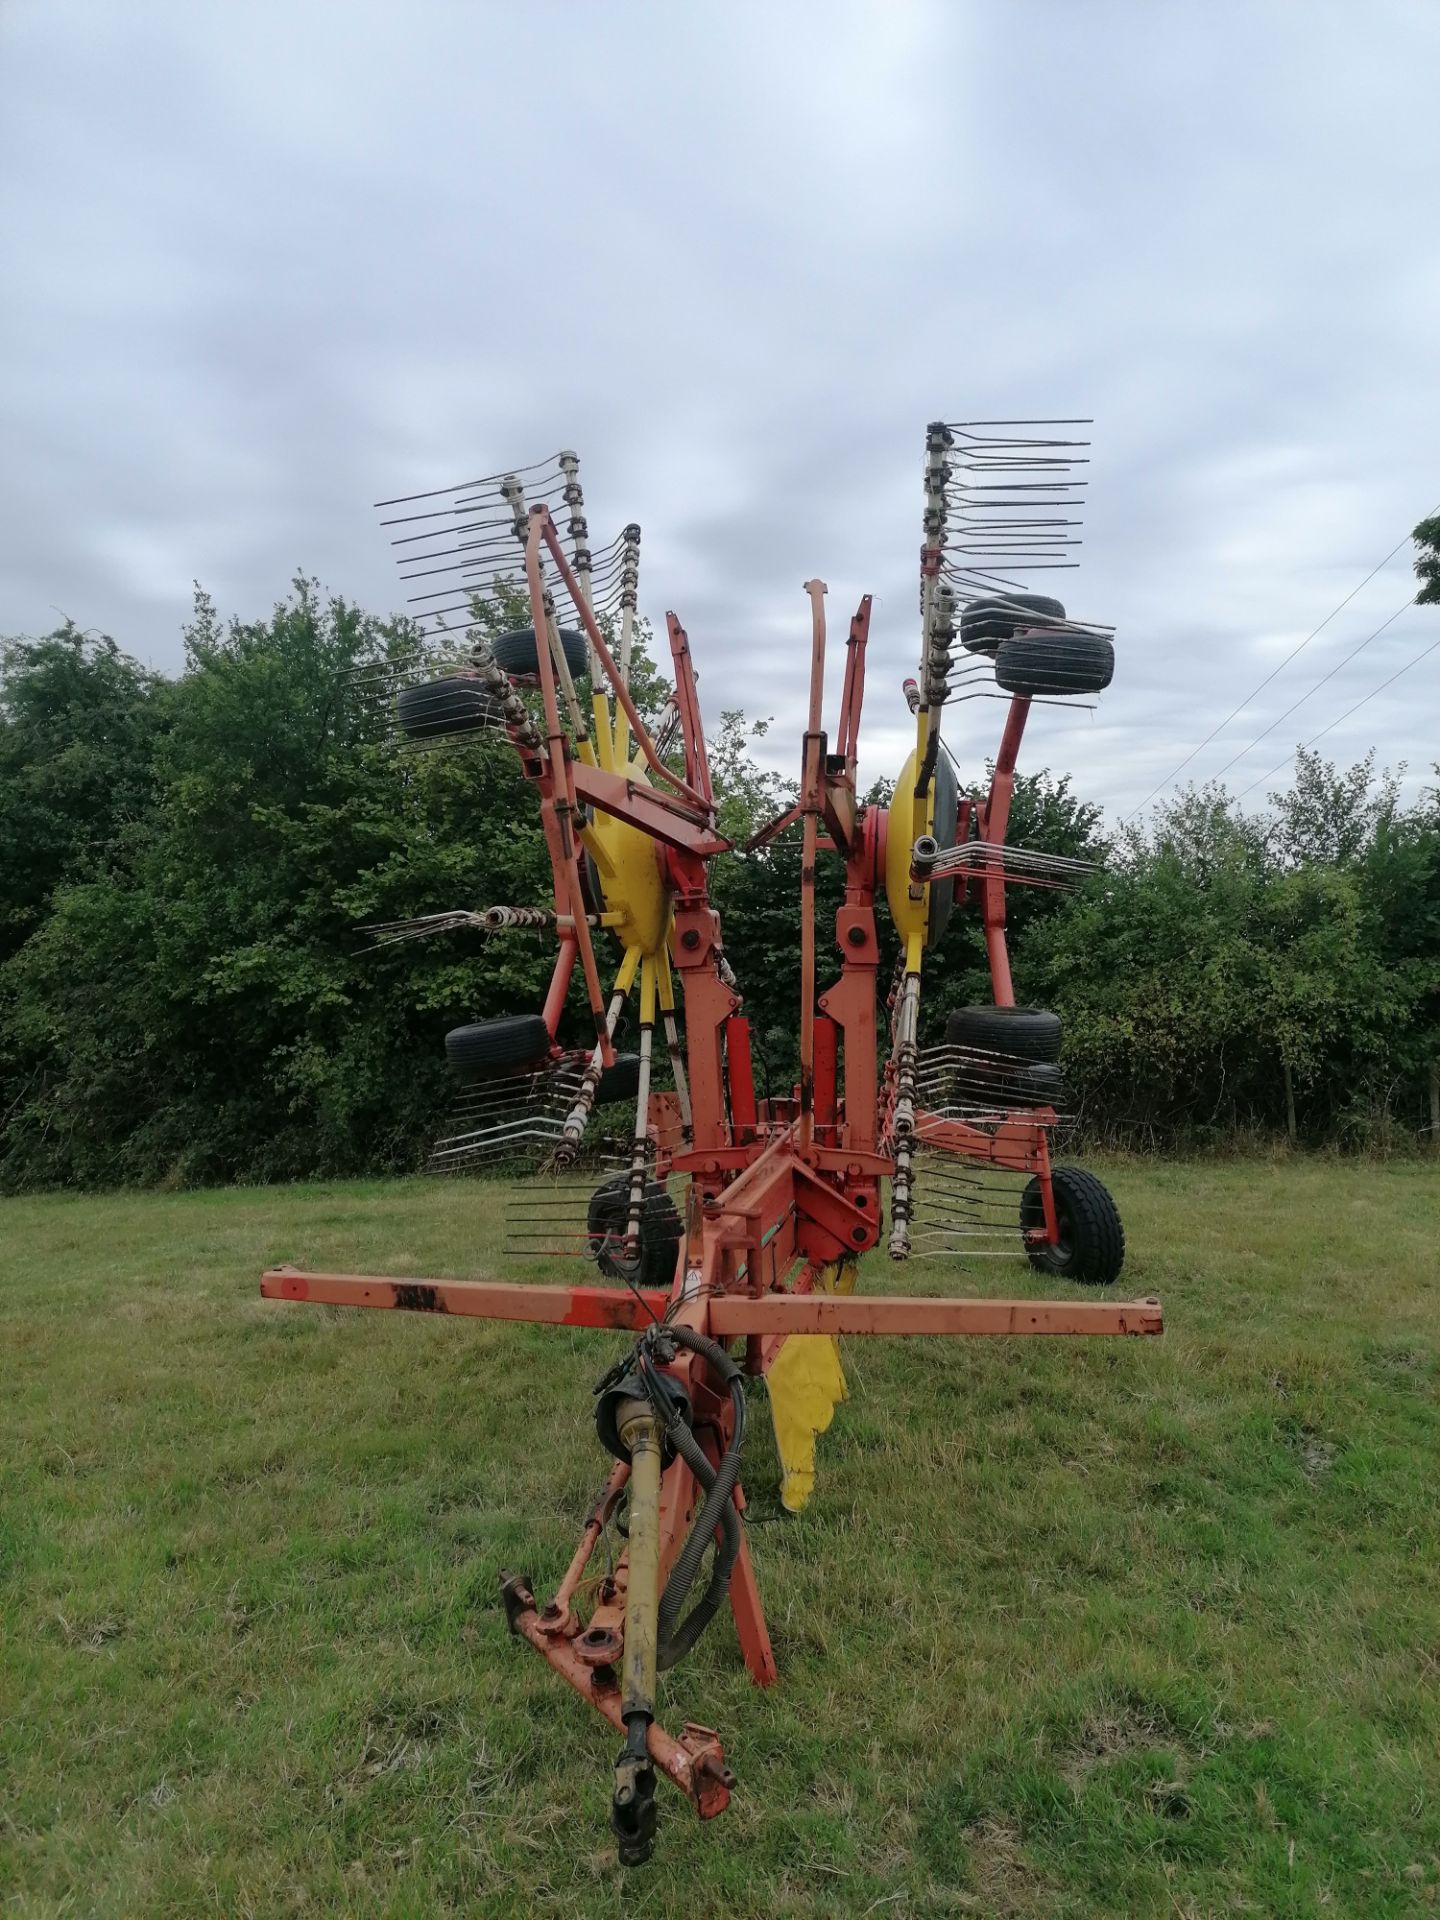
726, 1316
779, 1189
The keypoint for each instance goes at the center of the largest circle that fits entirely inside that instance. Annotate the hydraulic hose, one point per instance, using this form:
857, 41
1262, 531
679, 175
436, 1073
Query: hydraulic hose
675, 1642
717, 1513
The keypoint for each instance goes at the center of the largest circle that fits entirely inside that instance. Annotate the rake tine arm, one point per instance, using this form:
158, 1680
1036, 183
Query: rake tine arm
697, 760
618, 687
772, 829
994, 819
558, 796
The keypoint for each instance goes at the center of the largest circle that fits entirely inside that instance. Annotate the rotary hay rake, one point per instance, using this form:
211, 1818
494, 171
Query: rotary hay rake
778, 1197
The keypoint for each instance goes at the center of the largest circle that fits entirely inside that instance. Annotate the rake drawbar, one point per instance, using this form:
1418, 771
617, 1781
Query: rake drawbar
589, 1656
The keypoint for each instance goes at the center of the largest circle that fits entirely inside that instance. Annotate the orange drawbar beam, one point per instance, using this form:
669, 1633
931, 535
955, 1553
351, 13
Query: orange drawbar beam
616, 1308
727, 1316
732, 1314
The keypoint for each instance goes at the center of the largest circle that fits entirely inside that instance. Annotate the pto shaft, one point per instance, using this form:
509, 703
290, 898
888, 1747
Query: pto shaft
632, 1809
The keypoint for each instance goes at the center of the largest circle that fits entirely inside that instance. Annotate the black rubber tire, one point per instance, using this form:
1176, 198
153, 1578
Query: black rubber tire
457, 704
942, 892
1092, 1241
661, 1233
985, 623
1060, 660
490, 1048
620, 1082
516, 652
1017, 1033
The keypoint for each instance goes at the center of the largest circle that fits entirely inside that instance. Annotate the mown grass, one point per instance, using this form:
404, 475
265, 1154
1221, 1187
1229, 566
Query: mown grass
1069, 1628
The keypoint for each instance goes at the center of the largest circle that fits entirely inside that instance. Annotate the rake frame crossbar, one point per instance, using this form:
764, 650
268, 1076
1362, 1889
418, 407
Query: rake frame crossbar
727, 1316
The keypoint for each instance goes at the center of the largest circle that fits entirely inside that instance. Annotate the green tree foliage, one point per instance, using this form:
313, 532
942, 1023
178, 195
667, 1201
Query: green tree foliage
1427, 562
185, 865
1220, 953
203, 1008
78, 729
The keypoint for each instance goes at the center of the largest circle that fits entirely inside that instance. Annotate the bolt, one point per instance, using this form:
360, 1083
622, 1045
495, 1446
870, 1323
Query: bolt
859, 1236
690, 939
856, 936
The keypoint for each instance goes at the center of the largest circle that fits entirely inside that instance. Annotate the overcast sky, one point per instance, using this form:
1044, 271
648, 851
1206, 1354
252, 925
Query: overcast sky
266, 263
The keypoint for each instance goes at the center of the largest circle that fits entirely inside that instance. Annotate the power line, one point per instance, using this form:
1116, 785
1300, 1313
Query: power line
1424, 654
1317, 686
1271, 675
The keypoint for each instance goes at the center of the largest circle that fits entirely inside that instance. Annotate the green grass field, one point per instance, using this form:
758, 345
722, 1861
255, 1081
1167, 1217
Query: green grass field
1119, 1627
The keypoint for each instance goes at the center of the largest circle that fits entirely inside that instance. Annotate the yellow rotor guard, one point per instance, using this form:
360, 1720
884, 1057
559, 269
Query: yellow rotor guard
806, 1383
627, 860
909, 818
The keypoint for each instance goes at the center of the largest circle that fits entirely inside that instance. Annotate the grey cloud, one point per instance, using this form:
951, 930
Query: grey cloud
268, 264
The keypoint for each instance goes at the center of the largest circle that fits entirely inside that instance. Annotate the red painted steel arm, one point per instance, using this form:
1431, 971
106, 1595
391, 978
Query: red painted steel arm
994, 821
655, 813
852, 695
615, 1308
726, 1316
851, 1001
697, 760
740, 1074
773, 827
558, 801
695, 1762
788, 1313
708, 1005
1017, 1143
560, 982
597, 640
812, 796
